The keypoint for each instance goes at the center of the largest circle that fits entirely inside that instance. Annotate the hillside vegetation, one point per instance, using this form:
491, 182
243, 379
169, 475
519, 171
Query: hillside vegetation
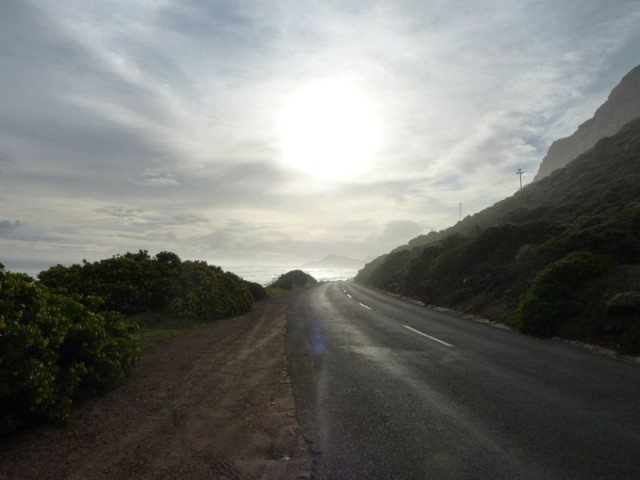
71, 334
560, 257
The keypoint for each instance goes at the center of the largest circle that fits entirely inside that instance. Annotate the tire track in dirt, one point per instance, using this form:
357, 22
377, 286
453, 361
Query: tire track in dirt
213, 403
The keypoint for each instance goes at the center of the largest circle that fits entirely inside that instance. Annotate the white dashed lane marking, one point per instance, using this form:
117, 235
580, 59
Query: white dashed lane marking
428, 336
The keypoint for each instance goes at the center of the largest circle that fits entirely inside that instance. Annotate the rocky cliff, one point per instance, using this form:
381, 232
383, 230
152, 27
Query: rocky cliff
622, 106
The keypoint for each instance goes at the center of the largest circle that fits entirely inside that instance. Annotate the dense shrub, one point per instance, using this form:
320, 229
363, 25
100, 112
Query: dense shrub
499, 244
557, 294
364, 275
417, 270
294, 278
125, 282
206, 292
629, 219
135, 283
100, 348
53, 351
625, 307
391, 271
258, 292
603, 239
452, 260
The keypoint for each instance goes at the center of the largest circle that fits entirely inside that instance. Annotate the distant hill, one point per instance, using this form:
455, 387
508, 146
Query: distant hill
622, 106
336, 261
560, 257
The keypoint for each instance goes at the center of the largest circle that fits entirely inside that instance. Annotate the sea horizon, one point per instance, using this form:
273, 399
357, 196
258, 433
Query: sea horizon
264, 275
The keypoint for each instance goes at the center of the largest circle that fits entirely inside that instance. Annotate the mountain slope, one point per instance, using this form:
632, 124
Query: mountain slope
622, 106
568, 245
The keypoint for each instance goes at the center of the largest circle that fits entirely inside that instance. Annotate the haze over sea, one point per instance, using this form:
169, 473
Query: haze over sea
267, 274
263, 275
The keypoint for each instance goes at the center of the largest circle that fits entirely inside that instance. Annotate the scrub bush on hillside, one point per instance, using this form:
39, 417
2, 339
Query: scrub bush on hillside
559, 294
624, 307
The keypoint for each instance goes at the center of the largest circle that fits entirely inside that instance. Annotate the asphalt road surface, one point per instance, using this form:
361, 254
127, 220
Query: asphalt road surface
390, 390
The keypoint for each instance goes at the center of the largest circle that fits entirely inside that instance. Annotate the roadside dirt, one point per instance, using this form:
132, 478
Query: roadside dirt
213, 402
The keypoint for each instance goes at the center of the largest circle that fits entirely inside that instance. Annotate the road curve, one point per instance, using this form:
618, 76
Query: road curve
389, 390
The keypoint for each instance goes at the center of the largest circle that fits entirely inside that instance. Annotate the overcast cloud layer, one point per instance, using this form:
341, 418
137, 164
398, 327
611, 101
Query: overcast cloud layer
153, 124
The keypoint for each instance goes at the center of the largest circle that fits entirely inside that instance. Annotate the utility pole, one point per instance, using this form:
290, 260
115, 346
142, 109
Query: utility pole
520, 172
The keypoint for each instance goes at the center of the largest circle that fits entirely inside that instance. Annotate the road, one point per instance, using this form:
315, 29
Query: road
386, 389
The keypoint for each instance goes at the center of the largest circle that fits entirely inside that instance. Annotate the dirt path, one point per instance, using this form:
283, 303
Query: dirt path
212, 403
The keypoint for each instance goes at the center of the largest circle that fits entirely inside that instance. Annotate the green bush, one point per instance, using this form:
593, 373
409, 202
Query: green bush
206, 292
390, 271
498, 244
258, 292
452, 260
631, 336
417, 270
629, 219
625, 307
602, 239
125, 282
53, 351
558, 294
99, 347
136, 283
294, 278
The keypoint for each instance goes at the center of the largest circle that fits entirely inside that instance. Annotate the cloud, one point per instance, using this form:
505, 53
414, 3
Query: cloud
5, 158
142, 217
8, 227
119, 212
155, 179
156, 123
154, 182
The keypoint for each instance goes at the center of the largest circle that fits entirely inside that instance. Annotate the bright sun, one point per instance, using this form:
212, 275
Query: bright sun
329, 129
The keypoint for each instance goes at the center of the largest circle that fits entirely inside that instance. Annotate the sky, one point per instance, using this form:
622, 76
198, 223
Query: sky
277, 132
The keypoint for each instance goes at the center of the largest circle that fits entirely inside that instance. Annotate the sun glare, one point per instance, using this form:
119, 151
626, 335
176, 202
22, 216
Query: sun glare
329, 129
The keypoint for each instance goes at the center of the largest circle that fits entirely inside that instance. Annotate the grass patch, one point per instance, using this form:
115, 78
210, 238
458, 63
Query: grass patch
276, 291
158, 328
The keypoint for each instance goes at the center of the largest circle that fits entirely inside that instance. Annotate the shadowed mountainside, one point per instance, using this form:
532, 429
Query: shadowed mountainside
560, 257
622, 106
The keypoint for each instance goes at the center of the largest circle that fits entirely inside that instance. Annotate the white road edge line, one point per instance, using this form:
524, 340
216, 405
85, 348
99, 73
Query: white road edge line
349, 296
428, 336
363, 305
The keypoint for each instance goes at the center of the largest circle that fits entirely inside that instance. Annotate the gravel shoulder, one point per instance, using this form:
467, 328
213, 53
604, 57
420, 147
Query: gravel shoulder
212, 402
